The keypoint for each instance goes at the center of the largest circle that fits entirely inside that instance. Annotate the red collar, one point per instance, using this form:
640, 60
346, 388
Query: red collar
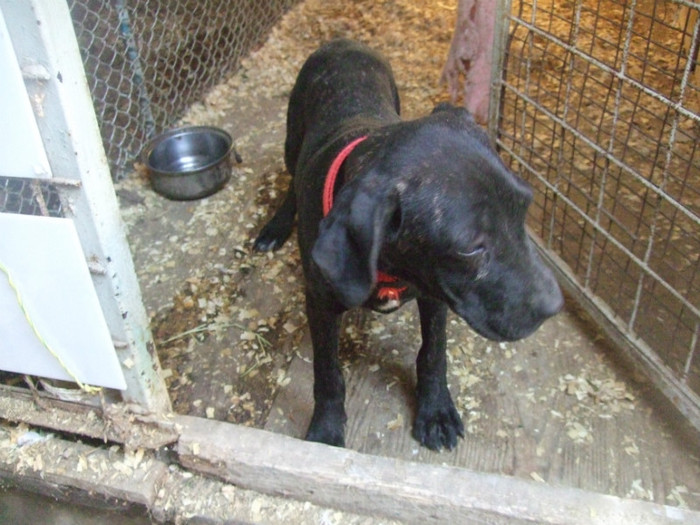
384, 293
329, 186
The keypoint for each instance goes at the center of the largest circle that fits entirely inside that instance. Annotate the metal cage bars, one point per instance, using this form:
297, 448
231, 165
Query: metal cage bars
617, 187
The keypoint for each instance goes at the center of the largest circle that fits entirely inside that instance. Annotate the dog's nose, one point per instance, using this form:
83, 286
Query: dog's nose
550, 300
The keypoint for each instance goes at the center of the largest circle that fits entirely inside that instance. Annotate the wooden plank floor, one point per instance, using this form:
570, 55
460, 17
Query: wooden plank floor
557, 407
526, 419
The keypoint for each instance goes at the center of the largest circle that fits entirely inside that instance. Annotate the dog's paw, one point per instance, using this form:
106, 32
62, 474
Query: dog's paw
438, 427
327, 426
265, 244
327, 436
271, 238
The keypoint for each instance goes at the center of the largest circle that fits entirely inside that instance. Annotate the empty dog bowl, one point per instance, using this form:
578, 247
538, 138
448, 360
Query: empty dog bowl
190, 162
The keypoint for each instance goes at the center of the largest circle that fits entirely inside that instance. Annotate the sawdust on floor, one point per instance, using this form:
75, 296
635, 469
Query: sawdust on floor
229, 322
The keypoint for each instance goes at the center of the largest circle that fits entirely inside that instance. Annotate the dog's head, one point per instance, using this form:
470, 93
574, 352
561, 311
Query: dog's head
441, 209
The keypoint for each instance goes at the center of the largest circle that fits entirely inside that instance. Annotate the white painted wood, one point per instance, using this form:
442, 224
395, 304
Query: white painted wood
21, 149
52, 306
42, 34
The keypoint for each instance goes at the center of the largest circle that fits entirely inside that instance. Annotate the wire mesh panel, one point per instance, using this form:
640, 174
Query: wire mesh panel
147, 61
599, 112
29, 197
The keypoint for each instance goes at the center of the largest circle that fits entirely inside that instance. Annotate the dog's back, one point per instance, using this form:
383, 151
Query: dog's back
343, 82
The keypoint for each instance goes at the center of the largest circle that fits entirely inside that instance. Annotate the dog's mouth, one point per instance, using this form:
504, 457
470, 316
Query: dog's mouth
476, 317
494, 324
495, 330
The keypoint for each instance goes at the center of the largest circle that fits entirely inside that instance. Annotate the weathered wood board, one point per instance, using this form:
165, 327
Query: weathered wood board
386, 487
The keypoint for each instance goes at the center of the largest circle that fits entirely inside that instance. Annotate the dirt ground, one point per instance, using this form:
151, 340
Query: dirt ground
231, 330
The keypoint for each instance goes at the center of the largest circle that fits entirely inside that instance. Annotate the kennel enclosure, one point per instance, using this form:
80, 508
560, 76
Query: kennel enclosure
546, 129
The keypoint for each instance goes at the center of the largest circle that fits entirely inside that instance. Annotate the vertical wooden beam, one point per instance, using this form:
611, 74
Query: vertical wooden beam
498, 62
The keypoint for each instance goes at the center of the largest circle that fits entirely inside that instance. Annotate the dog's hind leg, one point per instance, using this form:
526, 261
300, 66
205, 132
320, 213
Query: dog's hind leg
279, 228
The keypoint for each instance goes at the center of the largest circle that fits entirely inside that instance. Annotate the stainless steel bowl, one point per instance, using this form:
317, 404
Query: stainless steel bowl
190, 162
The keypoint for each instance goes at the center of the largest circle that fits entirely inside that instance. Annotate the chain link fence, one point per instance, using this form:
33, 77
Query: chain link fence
146, 62
600, 112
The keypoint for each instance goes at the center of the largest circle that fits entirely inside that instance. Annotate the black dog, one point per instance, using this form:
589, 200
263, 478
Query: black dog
423, 209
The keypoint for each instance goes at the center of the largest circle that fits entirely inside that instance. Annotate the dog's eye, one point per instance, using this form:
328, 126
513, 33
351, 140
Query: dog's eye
478, 257
476, 251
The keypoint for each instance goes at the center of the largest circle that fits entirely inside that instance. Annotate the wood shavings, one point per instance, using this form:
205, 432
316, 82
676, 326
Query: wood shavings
604, 391
537, 477
578, 433
282, 378
289, 327
638, 491
396, 423
677, 494
630, 447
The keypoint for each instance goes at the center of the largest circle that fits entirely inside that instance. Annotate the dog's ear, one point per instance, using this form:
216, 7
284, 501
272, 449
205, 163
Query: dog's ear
351, 236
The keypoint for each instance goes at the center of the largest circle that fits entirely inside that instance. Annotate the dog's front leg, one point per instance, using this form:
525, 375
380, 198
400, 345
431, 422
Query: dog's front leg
328, 421
437, 423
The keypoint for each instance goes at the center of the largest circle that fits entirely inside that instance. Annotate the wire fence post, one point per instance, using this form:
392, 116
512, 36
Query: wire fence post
132, 53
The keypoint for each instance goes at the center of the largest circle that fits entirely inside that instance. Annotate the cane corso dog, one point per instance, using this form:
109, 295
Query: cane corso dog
392, 210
